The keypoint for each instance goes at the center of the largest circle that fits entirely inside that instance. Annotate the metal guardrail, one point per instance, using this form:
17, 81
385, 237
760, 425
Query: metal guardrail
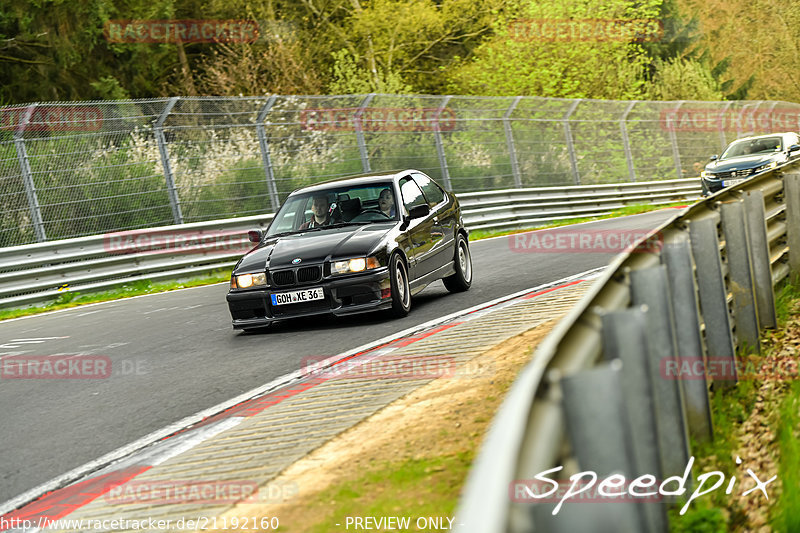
595, 395
36, 272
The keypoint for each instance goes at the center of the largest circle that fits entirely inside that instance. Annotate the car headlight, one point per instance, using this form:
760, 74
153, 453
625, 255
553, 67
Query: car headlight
703, 174
246, 281
356, 264
768, 166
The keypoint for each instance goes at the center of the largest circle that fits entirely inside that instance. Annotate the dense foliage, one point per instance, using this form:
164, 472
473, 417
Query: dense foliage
58, 50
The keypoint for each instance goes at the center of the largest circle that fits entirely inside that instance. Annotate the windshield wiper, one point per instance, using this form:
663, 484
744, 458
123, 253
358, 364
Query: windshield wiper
281, 234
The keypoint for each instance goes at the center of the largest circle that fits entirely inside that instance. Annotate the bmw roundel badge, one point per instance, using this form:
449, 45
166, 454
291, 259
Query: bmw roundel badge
296, 260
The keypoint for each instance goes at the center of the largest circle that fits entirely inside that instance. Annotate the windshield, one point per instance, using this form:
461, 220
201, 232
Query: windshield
362, 204
753, 146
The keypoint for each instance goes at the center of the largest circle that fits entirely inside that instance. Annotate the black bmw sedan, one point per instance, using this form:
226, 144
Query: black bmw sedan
352, 245
745, 157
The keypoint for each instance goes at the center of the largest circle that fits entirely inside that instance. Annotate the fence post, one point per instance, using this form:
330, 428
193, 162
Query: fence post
677, 257
626, 144
437, 137
27, 175
512, 152
266, 160
737, 250
791, 195
673, 139
650, 287
158, 129
362, 145
759, 254
713, 293
624, 338
601, 442
573, 160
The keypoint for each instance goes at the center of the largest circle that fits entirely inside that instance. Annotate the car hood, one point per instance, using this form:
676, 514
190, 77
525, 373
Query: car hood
743, 162
314, 247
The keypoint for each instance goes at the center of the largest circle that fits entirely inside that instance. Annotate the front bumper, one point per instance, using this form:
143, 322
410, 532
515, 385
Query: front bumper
358, 293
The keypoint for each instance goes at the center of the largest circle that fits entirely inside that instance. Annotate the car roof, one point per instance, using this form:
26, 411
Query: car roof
358, 179
782, 133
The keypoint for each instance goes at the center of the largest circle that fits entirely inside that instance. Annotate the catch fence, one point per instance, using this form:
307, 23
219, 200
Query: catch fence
71, 169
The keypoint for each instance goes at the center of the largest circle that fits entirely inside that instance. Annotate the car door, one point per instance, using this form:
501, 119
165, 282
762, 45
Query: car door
443, 221
417, 243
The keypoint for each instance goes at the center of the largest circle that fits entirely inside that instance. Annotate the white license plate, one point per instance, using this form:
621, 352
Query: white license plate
728, 183
293, 297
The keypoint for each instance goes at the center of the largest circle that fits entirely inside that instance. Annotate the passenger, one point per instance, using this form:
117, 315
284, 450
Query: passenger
321, 213
386, 203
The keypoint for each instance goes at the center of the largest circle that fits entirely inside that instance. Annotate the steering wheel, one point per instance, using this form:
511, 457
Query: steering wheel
370, 210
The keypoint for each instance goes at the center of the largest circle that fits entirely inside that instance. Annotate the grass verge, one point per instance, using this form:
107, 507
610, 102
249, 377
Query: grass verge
759, 421
137, 288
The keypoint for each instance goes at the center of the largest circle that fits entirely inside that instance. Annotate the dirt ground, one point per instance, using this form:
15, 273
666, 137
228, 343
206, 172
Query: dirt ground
444, 418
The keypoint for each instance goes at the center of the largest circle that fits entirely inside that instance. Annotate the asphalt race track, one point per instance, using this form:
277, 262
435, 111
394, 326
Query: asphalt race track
174, 354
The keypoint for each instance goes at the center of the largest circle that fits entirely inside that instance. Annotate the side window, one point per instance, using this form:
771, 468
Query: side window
433, 193
412, 194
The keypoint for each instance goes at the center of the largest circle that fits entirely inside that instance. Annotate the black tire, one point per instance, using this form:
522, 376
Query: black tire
462, 280
401, 291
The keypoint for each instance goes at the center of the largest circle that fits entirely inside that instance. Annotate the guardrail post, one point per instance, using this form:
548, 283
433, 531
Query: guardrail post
158, 130
437, 137
649, 287
512, 151
362, 145
713, 293
266, 160
624, 339
573, 160
737, 250
27, 175
680, 273
601, 442
626, 144
673, 139
759, 255
791, 195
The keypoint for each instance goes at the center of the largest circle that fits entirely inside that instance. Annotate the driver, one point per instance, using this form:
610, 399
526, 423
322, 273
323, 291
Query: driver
321, 213
386, 203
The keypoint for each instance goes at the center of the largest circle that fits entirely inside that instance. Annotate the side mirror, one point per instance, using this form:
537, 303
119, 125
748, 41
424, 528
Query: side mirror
255, 235
794, 148
419, 211
713, 157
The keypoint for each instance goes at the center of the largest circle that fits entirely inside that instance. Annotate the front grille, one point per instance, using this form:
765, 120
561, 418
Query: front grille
734, 174
282, 278
309, 274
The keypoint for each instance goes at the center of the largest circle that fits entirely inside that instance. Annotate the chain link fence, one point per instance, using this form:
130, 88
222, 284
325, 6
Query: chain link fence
69, 169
